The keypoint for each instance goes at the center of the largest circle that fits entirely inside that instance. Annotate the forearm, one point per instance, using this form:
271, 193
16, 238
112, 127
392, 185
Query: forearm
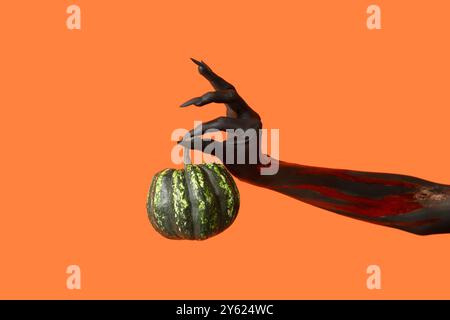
405, 202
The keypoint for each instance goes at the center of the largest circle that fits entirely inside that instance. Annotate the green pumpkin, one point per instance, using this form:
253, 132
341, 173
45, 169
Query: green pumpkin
193, 203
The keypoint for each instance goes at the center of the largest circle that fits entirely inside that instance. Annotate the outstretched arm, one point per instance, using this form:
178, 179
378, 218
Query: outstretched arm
400, 201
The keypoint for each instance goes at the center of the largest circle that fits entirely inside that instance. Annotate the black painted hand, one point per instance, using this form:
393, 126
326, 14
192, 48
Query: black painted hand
239, 115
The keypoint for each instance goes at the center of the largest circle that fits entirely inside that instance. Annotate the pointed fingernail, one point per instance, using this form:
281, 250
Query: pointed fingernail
189, 102
196, 62
186, 142
183, 143
184, 105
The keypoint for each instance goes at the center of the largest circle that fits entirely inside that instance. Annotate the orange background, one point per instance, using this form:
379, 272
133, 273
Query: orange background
86, 118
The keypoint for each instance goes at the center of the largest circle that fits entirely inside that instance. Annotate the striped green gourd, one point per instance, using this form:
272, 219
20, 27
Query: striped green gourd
193, 203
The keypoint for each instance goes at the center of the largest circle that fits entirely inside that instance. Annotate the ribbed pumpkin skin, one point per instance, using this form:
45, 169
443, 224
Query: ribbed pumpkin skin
193, 203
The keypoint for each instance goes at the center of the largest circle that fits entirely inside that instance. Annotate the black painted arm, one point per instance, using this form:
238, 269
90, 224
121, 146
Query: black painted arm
400, 201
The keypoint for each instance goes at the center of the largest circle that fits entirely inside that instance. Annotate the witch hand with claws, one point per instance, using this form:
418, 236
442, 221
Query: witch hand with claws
400, 201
